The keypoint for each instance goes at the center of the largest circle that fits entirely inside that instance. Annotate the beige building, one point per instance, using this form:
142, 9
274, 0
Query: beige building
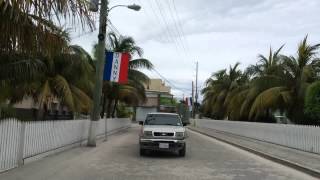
157, 85
155, 90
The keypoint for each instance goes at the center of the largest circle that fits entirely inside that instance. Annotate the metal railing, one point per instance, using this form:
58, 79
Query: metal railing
23, 140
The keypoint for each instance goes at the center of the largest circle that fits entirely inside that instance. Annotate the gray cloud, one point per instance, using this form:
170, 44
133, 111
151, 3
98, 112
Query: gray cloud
218, 33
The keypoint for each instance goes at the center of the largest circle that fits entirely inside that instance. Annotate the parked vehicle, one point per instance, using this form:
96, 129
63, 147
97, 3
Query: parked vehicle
163, 132
184, 113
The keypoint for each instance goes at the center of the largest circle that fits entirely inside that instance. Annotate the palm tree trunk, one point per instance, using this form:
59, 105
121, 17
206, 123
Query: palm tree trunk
115, 108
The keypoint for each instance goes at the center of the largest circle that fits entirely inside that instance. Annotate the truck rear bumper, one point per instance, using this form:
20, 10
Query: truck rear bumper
162, 144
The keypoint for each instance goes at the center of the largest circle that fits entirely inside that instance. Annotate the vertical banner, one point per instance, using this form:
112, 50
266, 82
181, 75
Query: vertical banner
188, 101
116, 67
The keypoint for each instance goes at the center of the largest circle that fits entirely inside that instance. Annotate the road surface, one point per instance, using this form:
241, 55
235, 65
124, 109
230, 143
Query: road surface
119, 158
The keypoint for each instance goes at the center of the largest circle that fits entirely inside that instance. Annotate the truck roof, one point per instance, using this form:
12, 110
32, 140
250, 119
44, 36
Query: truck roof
153, 113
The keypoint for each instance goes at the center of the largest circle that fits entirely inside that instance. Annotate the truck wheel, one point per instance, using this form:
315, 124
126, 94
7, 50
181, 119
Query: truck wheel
182, 152
142, 152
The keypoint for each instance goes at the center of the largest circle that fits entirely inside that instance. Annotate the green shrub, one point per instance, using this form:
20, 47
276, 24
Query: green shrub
123, 111
312, 101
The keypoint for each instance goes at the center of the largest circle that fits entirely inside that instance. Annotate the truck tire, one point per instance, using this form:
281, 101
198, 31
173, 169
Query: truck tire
142, 152
182, 152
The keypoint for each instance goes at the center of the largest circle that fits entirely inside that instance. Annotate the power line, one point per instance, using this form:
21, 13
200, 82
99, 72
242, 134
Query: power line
179, 24
111, 28
167, 34
159, 13
182, 53
176, 25
150, 15
169, 82
160, 8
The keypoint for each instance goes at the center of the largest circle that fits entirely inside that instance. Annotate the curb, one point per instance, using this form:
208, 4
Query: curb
296, 166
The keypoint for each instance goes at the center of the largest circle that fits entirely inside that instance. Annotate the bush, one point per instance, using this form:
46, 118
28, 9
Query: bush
123, 111
312, 102
6, 111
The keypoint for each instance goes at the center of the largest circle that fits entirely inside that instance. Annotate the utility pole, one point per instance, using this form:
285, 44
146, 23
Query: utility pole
193, 112
95, 115
196, 96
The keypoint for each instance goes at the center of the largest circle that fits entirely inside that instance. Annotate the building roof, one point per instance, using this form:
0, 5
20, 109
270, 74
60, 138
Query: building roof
157, 85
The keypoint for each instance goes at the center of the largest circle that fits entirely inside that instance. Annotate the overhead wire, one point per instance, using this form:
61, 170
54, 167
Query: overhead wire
171, 34
169, 82
175, 35
179, 35
180, 25
180, 42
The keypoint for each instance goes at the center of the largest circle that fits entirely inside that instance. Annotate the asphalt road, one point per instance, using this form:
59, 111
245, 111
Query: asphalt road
118, 158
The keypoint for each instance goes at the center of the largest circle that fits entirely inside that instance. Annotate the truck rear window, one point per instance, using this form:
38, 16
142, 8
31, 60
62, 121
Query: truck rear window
162, 119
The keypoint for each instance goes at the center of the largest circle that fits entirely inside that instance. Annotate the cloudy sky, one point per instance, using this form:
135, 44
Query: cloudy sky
176, 33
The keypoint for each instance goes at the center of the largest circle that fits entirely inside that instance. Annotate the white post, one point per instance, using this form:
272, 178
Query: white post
93, 132
21, 143
106, 129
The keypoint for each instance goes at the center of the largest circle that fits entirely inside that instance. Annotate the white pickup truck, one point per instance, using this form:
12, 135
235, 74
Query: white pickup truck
163, 132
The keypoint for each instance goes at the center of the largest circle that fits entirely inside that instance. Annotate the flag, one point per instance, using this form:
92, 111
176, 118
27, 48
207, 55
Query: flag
116, 67
189, 101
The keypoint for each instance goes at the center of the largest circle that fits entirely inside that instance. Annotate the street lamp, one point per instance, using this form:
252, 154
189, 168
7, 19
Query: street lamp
133, 7
93, 6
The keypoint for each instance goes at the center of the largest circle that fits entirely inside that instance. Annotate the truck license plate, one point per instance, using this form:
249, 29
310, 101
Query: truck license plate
164, 145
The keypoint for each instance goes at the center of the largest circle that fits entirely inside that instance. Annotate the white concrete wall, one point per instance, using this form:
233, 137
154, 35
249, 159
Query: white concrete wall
302, 137
27, 141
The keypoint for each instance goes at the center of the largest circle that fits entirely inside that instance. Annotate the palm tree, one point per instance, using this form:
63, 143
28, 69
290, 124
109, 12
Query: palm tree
66, 77
134, 91
266, 74
267, 65
298, 73
220, 88
276, 82
28, 27
214, 86
29, 35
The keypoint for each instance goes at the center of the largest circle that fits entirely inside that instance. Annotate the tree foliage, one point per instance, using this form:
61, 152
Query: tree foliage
133, 92
276, 82
36, 59
312, 102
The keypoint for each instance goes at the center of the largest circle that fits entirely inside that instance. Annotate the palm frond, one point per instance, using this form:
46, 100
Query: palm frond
269, 99
140, 63
63, 91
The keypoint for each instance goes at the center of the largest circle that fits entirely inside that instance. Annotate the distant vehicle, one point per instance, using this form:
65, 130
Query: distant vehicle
163, 132
184, 113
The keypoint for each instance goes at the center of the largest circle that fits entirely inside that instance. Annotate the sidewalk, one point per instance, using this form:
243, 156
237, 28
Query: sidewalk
303, 161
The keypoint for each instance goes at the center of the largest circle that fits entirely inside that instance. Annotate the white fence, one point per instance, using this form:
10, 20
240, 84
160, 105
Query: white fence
21, 141
302, 137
